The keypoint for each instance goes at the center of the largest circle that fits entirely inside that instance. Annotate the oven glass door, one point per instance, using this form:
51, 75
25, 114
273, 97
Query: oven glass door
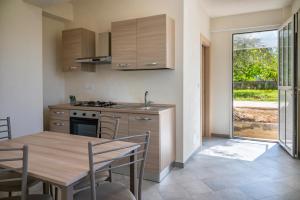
83, 126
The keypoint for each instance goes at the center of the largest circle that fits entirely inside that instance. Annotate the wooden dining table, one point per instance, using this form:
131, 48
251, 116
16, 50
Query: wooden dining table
62, 159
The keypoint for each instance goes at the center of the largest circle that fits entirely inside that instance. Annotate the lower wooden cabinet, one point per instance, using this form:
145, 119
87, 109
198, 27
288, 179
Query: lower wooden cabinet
161, 152
59, 120
139, 124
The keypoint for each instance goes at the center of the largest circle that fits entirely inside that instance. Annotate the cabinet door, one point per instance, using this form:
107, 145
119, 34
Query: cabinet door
139, 124
151, 42
123, 122
124, 44
71, 49
78, 43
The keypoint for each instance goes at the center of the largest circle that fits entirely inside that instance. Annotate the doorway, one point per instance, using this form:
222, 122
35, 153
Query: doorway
258, 52
205, 56
255, 85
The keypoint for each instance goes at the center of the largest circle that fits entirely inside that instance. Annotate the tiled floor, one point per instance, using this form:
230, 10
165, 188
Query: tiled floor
271, 176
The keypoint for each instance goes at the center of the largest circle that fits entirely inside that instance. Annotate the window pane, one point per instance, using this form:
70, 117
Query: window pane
285, 55
280, 57
291, 55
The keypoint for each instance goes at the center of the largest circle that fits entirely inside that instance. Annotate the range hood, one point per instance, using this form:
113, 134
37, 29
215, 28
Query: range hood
104, 51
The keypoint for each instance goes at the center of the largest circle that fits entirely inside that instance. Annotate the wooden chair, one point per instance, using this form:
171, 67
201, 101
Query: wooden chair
20, 173
114, 190
5, 133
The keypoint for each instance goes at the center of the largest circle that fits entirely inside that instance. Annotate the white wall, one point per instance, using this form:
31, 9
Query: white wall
221, 59
21, 90
196, 21
165, 86
295, 6
53, 77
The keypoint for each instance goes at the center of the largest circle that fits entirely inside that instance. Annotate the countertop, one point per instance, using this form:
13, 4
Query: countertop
120, 107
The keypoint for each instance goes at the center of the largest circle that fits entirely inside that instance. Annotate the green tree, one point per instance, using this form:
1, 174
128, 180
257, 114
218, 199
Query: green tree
252, 64
253, 61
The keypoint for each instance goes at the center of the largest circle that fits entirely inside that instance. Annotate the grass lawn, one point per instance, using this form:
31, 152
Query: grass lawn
255, 95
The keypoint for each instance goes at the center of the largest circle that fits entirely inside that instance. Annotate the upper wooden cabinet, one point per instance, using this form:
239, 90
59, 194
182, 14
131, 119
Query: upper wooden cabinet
124, 44
144, 43
78, 43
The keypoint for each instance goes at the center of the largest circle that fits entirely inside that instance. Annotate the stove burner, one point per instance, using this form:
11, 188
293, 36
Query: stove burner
95, 103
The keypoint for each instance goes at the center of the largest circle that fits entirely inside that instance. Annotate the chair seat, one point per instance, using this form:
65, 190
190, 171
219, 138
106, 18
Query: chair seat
14, 186
107, 191
30, 197
85, 182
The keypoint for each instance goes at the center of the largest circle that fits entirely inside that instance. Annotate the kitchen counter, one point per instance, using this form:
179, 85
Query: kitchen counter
154, 109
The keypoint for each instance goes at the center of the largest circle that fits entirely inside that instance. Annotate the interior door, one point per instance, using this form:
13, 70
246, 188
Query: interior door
288, 86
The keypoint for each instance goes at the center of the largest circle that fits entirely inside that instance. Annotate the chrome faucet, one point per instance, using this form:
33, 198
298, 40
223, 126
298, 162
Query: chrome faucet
146, 102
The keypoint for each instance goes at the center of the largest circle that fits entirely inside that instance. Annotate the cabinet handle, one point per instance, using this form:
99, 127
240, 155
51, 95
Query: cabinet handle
59, 112
58, 124
143, 118
74, 67
152, 64
123, 65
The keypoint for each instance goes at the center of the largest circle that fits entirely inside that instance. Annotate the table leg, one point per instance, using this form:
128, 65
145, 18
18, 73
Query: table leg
67, 193
133, 173
46, 187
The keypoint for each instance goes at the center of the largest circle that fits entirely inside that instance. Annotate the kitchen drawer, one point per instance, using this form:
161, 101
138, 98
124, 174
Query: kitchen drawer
142, 123
59, 114
61, 126
123, 122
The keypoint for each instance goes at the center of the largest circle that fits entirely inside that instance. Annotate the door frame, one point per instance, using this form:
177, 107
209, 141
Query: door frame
255, 30
205, 86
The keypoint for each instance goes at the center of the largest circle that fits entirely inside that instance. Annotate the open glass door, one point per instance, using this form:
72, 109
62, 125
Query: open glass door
287, 86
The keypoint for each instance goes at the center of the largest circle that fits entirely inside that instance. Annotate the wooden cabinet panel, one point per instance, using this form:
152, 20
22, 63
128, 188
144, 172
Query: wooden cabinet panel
123, 123
78, 43
59, 114
144, 43
124, 44
151, 42
61, 126
140, 123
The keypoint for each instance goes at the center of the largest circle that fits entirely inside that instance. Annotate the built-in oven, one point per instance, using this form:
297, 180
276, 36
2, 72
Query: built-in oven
85, 123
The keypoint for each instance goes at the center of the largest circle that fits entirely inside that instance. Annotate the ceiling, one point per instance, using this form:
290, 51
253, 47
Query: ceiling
43, 3
218, 8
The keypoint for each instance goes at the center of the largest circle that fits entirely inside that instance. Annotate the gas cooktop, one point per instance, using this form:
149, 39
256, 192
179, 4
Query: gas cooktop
95, 103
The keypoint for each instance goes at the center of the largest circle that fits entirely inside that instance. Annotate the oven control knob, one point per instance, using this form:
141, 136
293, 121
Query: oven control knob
74, 113
83, 114
94, 115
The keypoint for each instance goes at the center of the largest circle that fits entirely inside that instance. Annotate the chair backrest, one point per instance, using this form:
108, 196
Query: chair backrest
19, 171
5, 129
109, 126
138, 142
